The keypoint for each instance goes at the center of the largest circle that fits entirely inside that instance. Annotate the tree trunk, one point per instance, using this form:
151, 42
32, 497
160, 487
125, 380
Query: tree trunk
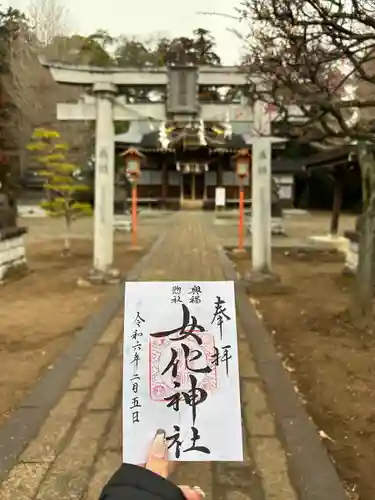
67, 249
337, 202
364, 294
365, 273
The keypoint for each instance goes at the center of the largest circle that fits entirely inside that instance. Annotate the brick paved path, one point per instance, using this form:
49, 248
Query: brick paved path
79, 446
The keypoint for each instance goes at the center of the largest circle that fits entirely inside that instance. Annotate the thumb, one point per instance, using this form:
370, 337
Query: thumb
194, 493
158, 455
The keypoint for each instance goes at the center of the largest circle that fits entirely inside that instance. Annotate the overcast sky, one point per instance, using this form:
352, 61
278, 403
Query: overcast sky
147, 17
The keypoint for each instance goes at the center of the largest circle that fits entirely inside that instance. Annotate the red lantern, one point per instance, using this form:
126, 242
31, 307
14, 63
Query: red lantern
133, 159
243, 159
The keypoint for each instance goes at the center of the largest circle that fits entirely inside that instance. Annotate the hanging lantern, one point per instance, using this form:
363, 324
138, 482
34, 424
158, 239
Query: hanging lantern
201, 133
228, 131
163, 136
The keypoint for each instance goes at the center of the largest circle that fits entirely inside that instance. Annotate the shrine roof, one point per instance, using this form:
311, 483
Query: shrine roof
330, 157
137, 130
338, 156
151, 141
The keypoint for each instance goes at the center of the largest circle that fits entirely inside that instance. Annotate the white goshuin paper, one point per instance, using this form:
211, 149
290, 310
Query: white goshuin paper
218, 418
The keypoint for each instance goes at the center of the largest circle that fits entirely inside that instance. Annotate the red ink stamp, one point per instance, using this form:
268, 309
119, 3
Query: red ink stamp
165, 353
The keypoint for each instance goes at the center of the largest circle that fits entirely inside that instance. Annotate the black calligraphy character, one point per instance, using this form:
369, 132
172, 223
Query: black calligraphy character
196, 290
135, 417
198, 354
224, 358
135, 387
185, 330
193, 397
135, 361
195, 299
175, 440
176, 294
195, 293
136, 333
137, 346
138, 320
196, 437
173, 364
175, 299
174, 401
135, 403
134, 381
216, 357
220, 314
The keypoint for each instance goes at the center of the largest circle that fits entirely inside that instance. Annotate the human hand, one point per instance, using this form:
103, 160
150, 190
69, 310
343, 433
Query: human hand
158, 463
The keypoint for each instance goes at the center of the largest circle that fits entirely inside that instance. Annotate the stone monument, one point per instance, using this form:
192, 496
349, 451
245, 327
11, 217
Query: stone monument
12, 247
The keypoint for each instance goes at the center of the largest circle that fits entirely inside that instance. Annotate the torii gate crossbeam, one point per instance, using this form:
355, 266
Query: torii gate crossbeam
84, 75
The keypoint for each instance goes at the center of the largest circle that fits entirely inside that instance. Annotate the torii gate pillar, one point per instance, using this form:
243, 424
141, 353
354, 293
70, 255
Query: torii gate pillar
104, 177
261, 191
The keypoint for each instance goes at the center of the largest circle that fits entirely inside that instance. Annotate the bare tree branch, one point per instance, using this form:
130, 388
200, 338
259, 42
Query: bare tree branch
48, 19
31, 87
320, 56
316, 55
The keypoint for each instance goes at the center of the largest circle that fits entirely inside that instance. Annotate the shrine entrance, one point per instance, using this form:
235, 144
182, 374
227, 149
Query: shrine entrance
193, 186
193, 180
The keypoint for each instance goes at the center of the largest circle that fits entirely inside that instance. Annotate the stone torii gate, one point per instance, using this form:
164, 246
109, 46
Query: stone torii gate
105, 106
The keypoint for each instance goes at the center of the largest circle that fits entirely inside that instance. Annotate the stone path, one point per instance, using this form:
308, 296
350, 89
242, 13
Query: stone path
79, 445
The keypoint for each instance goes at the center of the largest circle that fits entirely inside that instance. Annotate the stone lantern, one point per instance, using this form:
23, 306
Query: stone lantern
12, 247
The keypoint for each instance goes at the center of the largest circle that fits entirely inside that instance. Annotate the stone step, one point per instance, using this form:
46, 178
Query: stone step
191, 204
122, 224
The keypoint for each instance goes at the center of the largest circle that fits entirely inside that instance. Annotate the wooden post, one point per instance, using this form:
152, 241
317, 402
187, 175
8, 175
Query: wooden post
241, 218
181, 187
219, 173
164, 186
193, 186
134, 214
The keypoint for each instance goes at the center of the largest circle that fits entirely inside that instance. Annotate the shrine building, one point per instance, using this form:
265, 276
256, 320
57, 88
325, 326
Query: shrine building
184, 171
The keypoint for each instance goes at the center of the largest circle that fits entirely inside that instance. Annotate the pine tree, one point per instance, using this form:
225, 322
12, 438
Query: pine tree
61, 185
